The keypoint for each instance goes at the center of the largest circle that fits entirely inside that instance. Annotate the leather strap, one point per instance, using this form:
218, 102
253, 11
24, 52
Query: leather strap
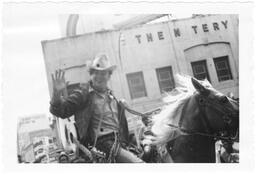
202, 103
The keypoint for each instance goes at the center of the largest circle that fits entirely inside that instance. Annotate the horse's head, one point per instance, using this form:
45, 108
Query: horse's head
194, 107
219, 112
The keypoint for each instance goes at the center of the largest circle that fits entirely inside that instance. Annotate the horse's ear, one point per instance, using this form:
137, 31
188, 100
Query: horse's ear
199, 87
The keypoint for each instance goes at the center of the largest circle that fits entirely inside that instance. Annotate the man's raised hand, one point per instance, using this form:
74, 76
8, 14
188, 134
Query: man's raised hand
58, 80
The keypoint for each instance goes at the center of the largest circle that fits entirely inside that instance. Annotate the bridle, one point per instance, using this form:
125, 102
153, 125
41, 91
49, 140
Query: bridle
203, 102
227, 113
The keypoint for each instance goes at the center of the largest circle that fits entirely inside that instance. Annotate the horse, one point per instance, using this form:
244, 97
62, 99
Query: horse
194, 117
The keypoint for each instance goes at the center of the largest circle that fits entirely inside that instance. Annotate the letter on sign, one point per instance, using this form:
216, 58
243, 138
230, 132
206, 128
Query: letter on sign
195, 29
205, 28
160, 35
225, 23
176, 32
138, 38
149, 37
215, 26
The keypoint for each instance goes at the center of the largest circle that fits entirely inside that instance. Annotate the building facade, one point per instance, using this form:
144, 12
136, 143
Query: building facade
148, 57
203, 47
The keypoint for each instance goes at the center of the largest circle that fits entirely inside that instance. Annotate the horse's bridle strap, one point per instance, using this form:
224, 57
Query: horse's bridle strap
178, 127
204, 101
194, 132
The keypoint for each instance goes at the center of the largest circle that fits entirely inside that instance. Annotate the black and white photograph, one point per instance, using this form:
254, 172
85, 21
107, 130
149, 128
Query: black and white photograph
99, 83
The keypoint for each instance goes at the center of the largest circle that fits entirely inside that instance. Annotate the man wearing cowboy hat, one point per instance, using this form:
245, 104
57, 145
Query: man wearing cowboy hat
100, 118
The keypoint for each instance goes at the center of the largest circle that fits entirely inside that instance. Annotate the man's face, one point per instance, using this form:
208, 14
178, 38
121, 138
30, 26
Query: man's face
100, 78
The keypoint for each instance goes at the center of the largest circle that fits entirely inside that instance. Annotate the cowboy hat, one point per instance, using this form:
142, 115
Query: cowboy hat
101, 62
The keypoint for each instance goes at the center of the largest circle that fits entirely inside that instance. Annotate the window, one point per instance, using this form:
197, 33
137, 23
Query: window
40, 151
54, 139
200, 70
165, 79
136, 85
50, 141
37, 144
222, 68
51, 148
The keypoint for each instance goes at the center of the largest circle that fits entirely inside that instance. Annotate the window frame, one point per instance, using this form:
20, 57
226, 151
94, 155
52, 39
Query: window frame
170, 78
224, 59
194, 63
129, 77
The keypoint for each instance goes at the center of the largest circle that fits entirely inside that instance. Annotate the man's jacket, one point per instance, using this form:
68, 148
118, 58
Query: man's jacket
79, 104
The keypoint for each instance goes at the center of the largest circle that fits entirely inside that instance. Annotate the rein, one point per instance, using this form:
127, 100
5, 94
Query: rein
144, 117
194, 132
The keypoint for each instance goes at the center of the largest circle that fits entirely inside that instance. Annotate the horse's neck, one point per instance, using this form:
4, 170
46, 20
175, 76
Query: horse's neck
194, 146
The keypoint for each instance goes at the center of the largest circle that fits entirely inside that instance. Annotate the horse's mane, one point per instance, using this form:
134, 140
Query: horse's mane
171, 112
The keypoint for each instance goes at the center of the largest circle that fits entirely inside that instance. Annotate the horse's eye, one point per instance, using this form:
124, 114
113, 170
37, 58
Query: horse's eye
224, 99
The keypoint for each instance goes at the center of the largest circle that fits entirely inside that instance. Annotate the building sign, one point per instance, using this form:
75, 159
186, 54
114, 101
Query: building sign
215, 26
159, 35
149, 37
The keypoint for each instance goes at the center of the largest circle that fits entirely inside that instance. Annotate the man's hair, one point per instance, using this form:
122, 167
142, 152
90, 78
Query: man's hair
91, 71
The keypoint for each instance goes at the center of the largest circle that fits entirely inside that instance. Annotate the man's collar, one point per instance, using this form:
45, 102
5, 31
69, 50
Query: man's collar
109, 91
